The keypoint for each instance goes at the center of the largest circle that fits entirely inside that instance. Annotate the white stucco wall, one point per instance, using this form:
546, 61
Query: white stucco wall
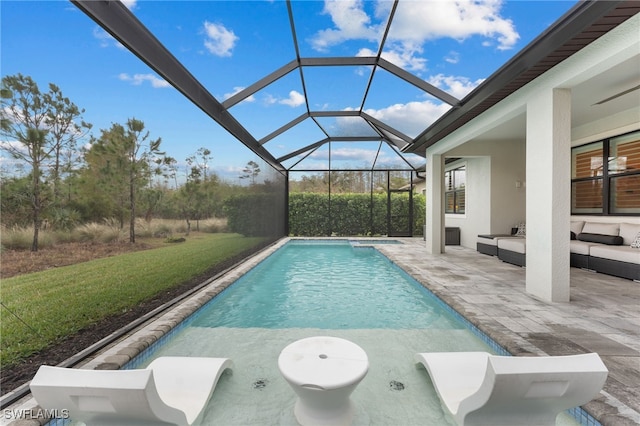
494, 203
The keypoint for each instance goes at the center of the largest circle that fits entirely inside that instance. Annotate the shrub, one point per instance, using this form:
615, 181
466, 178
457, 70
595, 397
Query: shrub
214, 225
21, 238
107, 232
161, 230
17, 238
63, 218
181, 227
88, 232
176, 240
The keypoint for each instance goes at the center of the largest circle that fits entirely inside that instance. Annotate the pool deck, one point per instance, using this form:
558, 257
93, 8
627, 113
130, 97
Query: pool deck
603, 316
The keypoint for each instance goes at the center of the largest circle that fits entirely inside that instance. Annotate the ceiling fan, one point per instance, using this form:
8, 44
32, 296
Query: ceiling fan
624, 92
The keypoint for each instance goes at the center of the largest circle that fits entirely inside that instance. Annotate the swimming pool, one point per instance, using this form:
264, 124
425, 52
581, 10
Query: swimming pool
327, 285
242, 323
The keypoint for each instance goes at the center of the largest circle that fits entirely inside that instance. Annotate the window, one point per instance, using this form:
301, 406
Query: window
587, 168
454, 181
605, 176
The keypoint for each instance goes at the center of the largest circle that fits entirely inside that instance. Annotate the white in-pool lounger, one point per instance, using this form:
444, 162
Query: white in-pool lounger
171, 390
478, 388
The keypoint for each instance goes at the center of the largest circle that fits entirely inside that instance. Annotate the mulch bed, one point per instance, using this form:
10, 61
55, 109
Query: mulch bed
16, 375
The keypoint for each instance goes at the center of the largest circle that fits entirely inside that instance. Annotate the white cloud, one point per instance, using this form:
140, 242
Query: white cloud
219, 40
11, 166
236, 90
453, 57
14, 146
105, 39
406, 57
415, 23
360, 154
345, 154
419, 21
295, 99
130, 4
138, 79
456, 86
411, 118
352, 156
270, 99
351, 22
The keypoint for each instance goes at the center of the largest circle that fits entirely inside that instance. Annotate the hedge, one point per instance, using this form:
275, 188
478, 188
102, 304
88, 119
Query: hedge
316, 214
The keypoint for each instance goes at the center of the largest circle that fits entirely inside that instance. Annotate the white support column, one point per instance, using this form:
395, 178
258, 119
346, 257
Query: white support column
548, 194
434, 233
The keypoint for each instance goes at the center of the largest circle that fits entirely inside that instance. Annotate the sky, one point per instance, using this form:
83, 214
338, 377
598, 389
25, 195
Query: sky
228, 45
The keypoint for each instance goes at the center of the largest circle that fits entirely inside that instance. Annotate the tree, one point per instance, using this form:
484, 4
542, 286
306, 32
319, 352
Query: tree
137, 153
34, 126
251, 171
200, 161
102, 184
119, 163
62, 122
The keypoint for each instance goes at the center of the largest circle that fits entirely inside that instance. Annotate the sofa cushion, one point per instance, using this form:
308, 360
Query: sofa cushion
517, 245
612, 240
485, 239
619, 253
629, 231
579, 247
601, 228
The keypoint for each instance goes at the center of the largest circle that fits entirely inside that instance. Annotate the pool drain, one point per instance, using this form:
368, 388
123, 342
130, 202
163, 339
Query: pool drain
260, 384
394, 385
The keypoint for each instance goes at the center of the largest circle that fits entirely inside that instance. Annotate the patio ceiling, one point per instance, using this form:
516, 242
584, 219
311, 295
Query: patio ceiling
342, 122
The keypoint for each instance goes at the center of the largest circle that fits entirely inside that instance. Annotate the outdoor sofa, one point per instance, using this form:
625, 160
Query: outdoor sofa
608, 248
508, 247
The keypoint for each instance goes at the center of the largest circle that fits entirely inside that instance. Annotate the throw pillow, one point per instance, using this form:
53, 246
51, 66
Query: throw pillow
612, 240
521, 232
636, 242
573, 235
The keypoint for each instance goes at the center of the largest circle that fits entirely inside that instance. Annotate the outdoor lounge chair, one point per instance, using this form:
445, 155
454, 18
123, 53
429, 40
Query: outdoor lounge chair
478, 388
171, 390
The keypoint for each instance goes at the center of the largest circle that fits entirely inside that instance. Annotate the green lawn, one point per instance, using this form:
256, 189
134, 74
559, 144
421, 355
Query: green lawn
58, 302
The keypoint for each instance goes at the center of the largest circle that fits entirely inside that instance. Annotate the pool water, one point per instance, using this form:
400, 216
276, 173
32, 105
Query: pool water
311, 289
328, 286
